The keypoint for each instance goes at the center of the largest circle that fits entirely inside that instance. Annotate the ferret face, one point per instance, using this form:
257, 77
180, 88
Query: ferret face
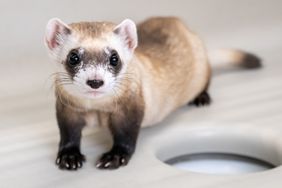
92, 56
93, 72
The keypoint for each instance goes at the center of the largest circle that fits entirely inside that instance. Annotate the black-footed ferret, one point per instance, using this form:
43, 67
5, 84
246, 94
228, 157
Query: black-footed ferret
125, 77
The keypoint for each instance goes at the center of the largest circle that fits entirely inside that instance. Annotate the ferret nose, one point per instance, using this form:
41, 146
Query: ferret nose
95, 84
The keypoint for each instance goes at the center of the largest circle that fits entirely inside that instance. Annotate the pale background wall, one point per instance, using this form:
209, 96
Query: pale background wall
23, 22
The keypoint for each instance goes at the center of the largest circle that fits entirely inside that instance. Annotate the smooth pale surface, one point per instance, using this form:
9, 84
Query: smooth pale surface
247, 106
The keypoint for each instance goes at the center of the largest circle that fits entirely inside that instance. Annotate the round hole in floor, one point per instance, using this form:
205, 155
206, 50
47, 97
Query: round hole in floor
219, 163
220, 150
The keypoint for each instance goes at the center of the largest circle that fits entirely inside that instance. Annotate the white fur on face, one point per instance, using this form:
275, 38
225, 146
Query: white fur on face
91, 72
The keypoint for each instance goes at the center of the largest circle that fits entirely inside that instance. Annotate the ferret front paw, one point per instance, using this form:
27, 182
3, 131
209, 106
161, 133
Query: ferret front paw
70, 159
113, 160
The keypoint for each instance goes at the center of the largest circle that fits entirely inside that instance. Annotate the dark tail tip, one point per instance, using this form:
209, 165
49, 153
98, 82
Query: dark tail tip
251, 61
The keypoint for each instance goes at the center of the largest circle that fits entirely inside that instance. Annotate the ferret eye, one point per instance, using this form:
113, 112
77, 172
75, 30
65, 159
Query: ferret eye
74, 58
114, 60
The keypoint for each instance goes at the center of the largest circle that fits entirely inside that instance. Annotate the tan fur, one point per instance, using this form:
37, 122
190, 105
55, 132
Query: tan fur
169, 69
92, 29
174, 66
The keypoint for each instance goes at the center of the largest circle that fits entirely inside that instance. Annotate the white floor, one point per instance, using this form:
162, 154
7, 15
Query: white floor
252, 100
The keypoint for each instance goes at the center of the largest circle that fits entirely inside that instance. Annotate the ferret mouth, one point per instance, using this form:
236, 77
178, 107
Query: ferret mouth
94, 93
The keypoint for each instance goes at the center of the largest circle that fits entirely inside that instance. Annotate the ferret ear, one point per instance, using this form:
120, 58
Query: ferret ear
56, 33
128, 32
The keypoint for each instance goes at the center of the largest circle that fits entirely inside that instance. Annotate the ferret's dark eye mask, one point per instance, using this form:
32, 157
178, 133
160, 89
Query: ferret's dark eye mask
80, 59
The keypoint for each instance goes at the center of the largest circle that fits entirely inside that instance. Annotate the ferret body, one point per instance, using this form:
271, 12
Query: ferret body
124, 77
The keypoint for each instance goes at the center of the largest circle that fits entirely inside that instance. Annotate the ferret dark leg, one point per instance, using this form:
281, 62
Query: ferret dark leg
202, 99
70, 125
124, 128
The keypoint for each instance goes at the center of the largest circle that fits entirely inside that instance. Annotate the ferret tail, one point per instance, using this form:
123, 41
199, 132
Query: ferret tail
224, 60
